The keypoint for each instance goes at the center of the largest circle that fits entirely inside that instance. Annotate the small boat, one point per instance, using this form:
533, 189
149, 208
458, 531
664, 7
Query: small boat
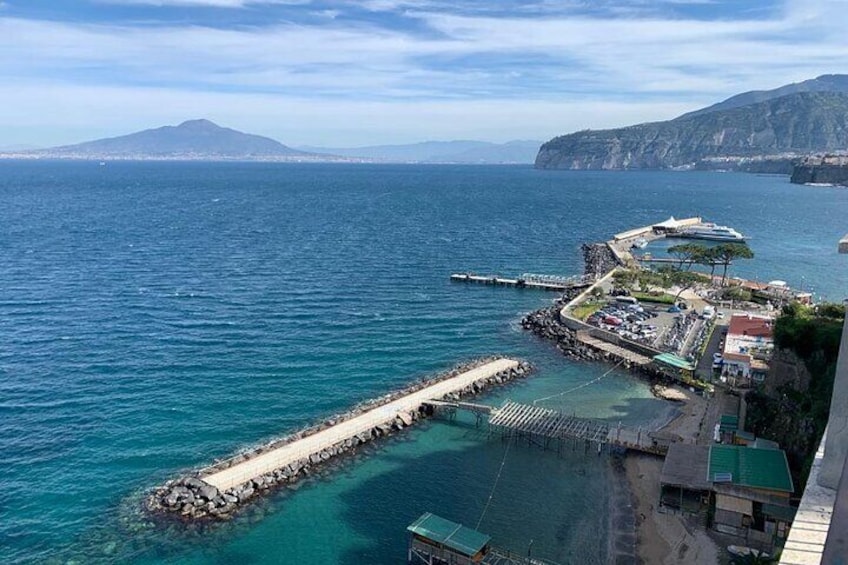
640, 243
742, 551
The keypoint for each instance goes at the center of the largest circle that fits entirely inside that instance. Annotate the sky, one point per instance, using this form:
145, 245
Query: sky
369, 72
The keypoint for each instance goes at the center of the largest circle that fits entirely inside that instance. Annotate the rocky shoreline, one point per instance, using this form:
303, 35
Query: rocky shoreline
188, 498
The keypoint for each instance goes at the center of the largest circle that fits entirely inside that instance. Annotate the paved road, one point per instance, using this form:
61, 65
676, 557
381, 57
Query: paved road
704, 370
300, 449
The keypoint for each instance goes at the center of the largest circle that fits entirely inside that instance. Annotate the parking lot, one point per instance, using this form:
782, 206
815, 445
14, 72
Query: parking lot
657, 325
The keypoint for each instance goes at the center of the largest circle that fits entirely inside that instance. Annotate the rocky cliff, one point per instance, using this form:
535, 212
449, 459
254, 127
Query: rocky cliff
821, 169
785, 127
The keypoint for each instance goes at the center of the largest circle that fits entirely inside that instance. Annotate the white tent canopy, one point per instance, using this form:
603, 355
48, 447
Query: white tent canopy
669, 224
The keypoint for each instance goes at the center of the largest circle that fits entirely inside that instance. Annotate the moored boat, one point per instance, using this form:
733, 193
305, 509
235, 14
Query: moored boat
711, 232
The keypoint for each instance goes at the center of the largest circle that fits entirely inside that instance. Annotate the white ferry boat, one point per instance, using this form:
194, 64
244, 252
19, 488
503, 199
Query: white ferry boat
712, 232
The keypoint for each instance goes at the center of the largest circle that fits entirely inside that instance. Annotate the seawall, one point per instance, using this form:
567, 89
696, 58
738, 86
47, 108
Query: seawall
218, 491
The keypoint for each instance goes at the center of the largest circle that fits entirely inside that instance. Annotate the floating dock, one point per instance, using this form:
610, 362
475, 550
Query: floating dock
540, 282
280, 457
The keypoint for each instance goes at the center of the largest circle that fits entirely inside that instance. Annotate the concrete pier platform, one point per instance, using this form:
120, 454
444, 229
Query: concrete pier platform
267, 462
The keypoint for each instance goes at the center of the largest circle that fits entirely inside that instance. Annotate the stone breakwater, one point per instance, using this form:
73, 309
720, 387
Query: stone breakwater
598, 259
190, 498
546, 324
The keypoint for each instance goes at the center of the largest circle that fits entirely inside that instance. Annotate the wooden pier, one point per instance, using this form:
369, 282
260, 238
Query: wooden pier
543, 426
538, 282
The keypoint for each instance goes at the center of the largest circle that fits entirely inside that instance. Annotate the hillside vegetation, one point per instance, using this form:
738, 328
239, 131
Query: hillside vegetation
796, 419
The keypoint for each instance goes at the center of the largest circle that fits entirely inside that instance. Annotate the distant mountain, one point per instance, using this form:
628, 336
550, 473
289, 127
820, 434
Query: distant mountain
461, 151
194, 139
824, 83
777, 129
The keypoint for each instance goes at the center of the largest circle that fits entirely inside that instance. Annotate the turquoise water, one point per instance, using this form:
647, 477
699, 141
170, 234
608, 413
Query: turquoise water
154, 316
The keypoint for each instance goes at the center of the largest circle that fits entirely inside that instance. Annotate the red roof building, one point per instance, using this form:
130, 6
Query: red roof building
752, 326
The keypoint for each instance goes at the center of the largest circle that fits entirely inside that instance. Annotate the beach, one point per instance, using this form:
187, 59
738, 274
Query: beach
661, 537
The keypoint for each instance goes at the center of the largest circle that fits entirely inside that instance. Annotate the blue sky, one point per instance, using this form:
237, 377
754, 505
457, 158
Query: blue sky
395, 71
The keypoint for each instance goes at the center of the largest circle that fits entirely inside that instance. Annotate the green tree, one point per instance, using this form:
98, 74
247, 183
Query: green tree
725, 253
624, 279
708, 257
686, 253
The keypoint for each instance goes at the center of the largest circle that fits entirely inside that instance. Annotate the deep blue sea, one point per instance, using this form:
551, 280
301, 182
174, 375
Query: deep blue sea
154, 316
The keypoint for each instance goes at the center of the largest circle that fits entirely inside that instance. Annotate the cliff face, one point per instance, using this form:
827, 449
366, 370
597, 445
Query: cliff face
827, 169
787, 126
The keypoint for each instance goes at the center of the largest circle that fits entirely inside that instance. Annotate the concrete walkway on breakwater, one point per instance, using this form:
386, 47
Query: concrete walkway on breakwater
621, 352
284, 455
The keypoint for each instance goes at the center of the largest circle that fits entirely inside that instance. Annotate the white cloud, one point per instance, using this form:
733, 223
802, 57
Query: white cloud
202, 3
579, 72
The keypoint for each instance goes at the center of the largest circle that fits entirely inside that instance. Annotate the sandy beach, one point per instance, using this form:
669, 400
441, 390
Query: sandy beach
668, 538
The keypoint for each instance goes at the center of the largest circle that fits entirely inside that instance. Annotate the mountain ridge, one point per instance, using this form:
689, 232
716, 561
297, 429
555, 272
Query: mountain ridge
781, 128
822, 83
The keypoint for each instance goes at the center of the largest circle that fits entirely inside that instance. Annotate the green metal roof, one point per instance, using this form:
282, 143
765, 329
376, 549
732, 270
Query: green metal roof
449, 534
674, 361
749, 467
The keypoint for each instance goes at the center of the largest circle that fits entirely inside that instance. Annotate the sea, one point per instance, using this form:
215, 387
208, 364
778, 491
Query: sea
157, 316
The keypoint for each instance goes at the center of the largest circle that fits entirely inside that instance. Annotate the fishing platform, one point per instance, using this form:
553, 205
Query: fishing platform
528, 280
549, 429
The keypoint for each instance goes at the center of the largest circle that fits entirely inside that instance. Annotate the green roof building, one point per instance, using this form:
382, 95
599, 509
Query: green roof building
765, 469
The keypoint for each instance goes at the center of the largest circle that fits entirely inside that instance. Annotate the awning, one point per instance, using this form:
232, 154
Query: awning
674, 361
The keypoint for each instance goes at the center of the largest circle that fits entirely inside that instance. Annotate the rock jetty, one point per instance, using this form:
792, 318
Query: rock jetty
189, 498
598, 259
